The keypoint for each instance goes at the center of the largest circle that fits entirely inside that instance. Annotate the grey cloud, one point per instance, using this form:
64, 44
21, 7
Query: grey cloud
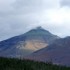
28, 6
19, 16
65, 2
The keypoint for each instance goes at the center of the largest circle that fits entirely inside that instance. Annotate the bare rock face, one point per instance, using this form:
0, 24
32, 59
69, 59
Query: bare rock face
57, 53
26, 43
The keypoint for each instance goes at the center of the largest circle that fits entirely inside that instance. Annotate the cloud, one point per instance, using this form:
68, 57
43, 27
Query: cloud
65, 3
19, 16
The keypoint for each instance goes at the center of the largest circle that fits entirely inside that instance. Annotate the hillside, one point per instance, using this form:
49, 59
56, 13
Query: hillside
58, 53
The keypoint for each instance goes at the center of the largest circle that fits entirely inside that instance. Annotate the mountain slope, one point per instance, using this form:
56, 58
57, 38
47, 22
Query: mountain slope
27, 43
58, 53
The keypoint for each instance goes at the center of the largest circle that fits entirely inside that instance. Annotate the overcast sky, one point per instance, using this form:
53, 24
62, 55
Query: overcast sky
19, 16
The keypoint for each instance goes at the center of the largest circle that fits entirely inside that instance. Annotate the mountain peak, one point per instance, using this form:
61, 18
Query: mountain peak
38, 31
39, 27
26, 43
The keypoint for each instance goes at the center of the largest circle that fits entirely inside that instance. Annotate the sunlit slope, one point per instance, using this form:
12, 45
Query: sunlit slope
58, 53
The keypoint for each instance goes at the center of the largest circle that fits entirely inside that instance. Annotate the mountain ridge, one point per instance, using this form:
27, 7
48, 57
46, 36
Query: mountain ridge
26, 43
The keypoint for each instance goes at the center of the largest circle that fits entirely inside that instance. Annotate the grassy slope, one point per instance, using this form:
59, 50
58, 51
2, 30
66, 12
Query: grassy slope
16, 64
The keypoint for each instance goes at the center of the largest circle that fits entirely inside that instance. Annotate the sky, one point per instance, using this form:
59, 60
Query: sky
19, 16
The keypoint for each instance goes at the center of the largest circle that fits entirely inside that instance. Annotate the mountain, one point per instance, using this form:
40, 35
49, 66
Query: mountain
57, 53
26, 43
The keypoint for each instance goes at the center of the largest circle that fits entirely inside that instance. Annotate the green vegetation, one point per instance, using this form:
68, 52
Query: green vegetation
16, 64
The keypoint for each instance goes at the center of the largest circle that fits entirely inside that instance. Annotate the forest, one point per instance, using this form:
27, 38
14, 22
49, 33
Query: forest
18, 64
